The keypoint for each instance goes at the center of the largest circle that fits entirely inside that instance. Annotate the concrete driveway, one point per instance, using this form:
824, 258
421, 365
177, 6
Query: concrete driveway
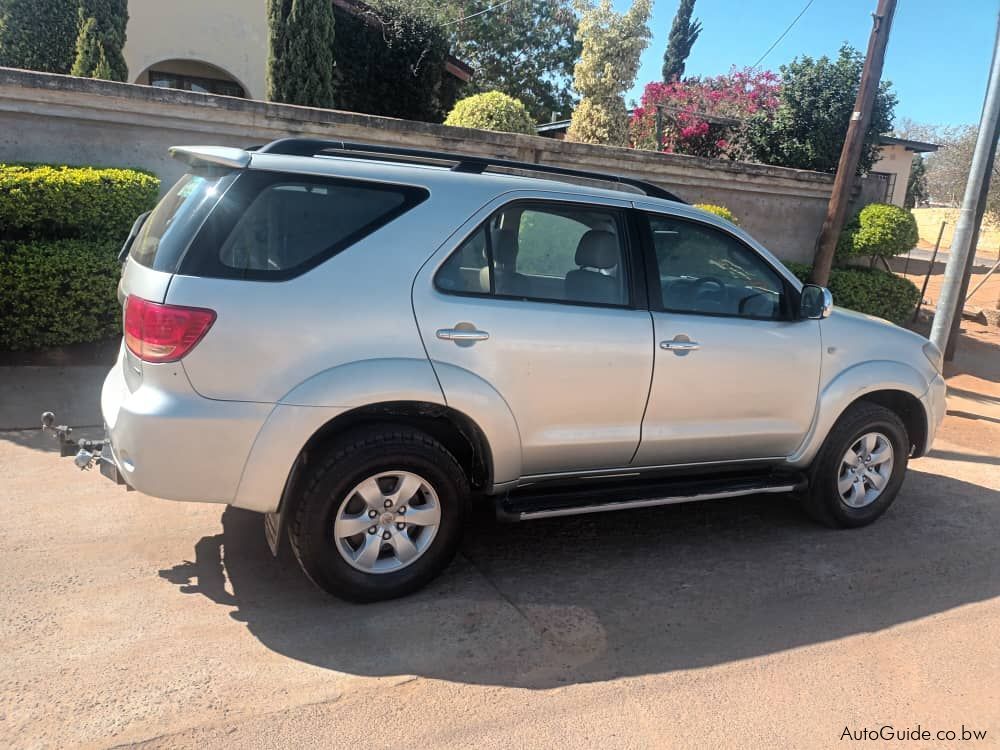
130, 620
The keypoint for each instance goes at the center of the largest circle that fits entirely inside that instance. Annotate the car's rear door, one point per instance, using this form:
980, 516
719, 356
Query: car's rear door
540, 299
736, 372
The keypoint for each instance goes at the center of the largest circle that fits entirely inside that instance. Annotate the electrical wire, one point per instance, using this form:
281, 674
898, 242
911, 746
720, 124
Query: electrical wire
783, 34
478, 13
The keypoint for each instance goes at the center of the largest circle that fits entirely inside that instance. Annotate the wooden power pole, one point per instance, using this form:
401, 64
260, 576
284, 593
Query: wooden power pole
850, 154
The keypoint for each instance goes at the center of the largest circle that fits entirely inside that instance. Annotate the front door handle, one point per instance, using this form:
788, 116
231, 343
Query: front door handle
462, 334
680, 345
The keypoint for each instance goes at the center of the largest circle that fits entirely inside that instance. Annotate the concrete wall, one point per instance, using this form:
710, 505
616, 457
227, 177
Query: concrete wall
231, 37
60, 119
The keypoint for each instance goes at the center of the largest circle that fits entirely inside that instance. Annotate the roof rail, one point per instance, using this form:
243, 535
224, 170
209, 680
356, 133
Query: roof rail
463, 162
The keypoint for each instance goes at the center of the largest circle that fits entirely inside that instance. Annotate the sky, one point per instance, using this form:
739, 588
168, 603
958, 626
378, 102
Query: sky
938, 57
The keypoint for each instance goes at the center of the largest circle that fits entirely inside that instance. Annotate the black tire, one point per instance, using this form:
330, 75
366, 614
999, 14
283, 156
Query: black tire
822, 500
344, 464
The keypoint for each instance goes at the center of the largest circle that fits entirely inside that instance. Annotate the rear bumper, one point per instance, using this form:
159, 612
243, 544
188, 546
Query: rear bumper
170, 442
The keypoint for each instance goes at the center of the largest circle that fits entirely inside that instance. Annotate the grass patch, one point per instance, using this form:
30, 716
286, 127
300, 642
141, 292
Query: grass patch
929, 224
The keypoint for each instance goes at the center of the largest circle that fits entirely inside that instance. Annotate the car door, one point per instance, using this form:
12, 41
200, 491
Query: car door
542, 302
736, 373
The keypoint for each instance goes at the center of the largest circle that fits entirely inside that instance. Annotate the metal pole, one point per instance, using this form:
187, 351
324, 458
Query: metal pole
984, 189
930, 268
854, 141
950, 302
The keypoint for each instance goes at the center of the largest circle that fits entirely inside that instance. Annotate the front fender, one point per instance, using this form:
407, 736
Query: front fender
848, 387
313, 403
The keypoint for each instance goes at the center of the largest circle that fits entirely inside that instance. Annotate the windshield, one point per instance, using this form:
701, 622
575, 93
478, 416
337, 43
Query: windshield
166, 233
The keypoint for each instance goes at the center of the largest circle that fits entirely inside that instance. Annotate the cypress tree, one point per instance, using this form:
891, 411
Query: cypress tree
683, 34
38, 34
100, 40
300, 55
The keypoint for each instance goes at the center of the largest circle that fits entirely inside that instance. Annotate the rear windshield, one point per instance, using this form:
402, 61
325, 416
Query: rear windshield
271, 226
175, 220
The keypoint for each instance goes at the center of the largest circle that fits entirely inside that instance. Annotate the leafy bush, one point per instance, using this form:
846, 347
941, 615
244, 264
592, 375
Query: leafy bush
879, 230
56, 292
38, 34
720, 211
492, 111
72, 202
868, 290
62, 229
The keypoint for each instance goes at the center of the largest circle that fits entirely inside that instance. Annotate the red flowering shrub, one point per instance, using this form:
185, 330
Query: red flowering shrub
703, 116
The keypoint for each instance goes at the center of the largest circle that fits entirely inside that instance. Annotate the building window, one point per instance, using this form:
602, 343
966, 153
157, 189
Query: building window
195, 83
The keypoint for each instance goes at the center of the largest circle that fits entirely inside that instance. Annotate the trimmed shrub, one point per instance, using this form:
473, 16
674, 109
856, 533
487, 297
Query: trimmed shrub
72, 202
493, 110
38, 34
868, 290
57, 292
720, 211
879, 230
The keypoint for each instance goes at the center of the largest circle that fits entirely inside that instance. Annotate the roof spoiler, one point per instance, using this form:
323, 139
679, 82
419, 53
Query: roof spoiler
213, 156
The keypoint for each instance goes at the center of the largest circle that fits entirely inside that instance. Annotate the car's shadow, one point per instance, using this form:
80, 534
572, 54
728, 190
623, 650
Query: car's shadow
591, 598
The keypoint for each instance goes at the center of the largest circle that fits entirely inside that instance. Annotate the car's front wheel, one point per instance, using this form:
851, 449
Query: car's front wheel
380, 515
859, 469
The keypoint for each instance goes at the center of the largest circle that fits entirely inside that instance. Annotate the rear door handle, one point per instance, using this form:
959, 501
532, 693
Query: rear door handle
680, 345
462, 334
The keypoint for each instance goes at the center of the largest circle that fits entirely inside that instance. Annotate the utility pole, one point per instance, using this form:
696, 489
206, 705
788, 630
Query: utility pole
850, 154
984, 189
951, 301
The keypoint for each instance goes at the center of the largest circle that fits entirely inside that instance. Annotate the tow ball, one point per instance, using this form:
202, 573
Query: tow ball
85, 452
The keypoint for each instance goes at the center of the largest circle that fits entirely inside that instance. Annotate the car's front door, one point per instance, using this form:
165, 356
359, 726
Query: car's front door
539, 302
736, 373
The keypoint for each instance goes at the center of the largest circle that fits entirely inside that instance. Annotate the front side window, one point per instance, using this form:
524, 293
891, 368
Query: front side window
705, 270
549, 252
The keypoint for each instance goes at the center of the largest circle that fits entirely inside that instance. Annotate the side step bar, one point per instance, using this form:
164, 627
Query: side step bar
525, 506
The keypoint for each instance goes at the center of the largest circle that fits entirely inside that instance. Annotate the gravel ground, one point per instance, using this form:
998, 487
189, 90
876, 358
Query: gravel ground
131, 620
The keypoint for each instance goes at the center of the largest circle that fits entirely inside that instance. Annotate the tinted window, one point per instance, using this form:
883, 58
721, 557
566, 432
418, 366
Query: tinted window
168, 230
274, 226
551, 252
705, 270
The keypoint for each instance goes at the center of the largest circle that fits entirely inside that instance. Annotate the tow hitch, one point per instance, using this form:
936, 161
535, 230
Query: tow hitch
85, 451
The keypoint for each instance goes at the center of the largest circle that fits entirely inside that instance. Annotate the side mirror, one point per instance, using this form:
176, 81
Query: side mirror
815, 303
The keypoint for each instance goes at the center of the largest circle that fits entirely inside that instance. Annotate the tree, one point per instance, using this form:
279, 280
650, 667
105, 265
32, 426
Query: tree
38, 34
683, 34
101, 39
300, 55
609, 61
525, 49
703, 116
916, 184
808, 128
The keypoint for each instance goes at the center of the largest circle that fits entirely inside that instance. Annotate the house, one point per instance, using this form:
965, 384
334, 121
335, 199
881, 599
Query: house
216, 48
886, 183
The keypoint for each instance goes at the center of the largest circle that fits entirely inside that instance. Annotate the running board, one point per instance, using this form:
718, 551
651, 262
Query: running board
526, 506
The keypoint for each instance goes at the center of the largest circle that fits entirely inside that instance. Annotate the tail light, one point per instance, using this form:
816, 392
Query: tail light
163, 333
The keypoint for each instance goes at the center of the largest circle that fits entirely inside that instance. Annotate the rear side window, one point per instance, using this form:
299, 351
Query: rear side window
167, 231
272, 226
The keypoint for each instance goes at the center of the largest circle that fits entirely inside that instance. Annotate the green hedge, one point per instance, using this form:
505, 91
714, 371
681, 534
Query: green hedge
45, 202
57, 292
880, 229
60, 232
868, 290
721, 211
493, 110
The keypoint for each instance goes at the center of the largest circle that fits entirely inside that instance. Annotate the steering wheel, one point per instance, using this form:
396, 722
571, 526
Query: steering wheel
706, 281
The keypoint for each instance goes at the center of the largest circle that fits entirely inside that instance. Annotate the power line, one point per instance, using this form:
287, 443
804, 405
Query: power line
783, 34
479, 13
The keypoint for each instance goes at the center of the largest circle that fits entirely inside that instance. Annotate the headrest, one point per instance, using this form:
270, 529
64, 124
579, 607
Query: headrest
598, 248
504, 249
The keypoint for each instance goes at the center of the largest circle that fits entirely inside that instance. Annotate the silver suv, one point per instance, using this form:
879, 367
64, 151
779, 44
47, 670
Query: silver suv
361, 341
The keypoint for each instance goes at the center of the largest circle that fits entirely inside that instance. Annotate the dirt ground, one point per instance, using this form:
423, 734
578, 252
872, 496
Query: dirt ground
127, 620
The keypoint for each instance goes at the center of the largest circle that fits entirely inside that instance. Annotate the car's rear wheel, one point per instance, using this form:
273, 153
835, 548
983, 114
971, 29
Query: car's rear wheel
859, 469
381, 514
